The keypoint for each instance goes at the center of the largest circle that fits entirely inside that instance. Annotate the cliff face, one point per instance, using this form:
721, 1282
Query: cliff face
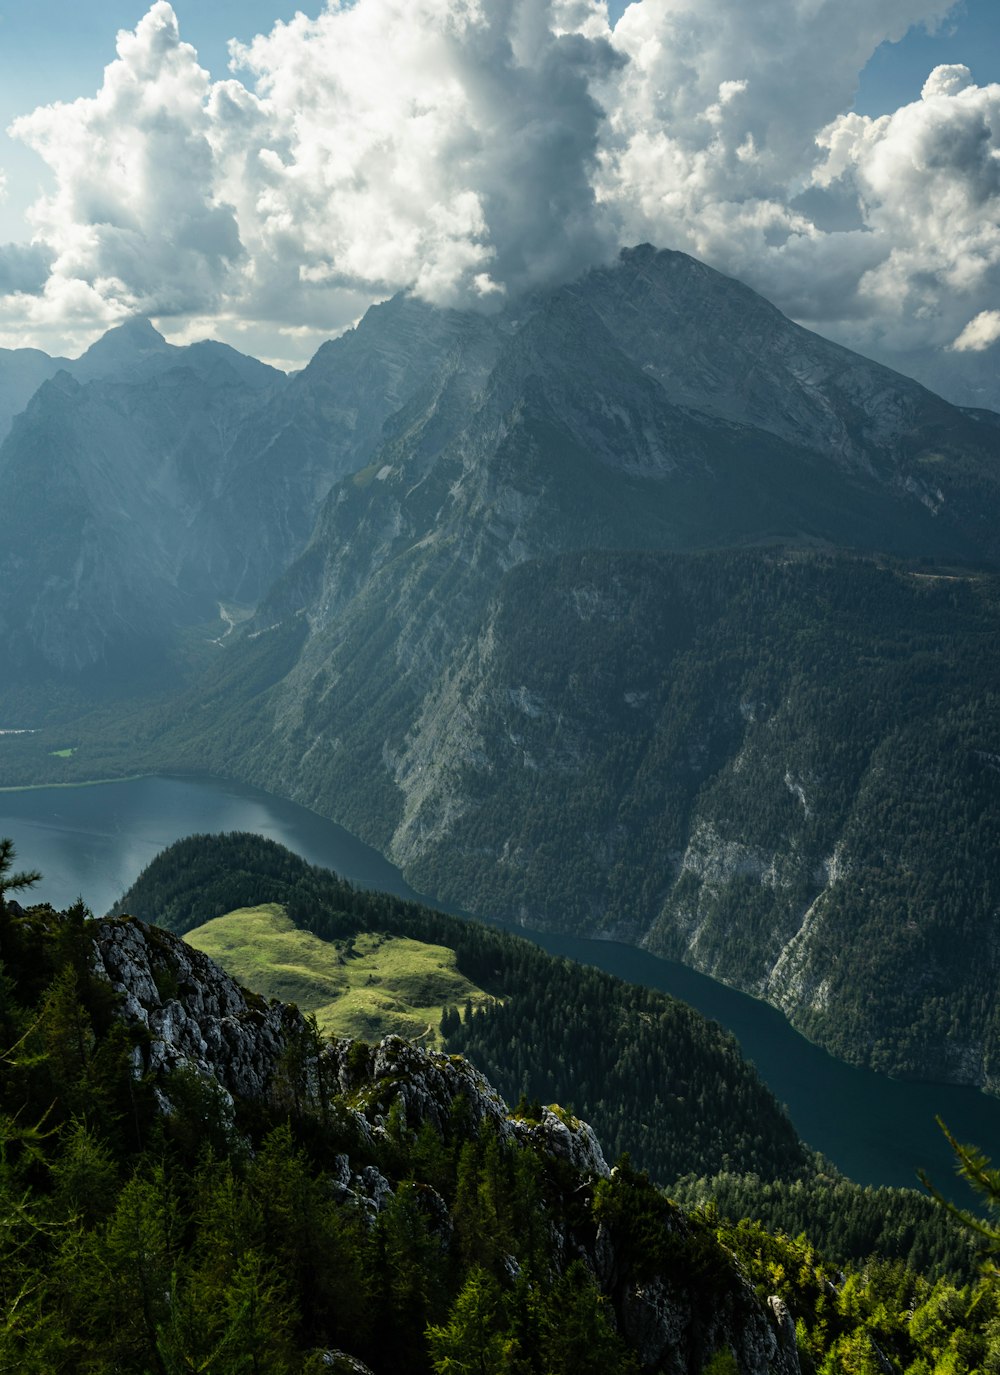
195, 1018
492, 662
195, 1015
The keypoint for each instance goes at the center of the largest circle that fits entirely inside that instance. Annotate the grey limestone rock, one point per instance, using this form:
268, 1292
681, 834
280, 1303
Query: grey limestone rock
340, 1363
565, 1137
195, 1016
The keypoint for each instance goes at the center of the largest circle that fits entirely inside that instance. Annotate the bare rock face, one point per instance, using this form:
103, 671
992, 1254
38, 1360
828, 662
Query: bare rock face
340, 1363
665, 1331
199, 1019
785, 1323
196, 1015
425, 1084
564, 1137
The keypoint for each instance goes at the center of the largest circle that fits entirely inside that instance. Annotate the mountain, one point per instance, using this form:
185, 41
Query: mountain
125, 350
109, 542
656, 404
518, 656
160, 484
192, 1177
107, 533
22, 372
129, 350
632, 609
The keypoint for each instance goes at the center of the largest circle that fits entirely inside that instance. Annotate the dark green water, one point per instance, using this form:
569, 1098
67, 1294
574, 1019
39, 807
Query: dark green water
93, 842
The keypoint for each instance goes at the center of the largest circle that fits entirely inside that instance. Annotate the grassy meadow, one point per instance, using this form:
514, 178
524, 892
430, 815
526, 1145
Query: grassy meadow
366, 986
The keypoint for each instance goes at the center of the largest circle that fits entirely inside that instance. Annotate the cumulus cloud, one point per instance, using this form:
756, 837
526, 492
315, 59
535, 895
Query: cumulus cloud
446, 146
928, 178
471, 149
135, 222
722, 122
731, 95
979, 333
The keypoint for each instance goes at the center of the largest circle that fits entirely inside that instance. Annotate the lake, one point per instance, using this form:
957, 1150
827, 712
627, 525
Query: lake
93, 841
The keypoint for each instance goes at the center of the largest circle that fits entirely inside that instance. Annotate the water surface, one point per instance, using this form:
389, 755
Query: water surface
93, 841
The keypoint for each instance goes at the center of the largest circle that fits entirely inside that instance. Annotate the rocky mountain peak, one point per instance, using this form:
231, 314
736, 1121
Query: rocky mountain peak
125, 345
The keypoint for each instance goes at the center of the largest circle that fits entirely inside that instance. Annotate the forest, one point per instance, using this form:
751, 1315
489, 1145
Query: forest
653, 1077
215, 1236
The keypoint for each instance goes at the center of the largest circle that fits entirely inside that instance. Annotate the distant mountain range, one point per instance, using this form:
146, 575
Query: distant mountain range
634, 609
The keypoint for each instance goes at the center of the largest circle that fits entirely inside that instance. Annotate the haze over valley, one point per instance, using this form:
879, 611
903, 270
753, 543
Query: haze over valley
627, 613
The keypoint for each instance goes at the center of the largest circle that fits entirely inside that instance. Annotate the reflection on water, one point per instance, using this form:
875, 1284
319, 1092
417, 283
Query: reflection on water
94, 841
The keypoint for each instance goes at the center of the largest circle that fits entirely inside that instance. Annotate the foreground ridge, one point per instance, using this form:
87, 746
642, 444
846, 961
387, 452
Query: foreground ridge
395, 1092
192, 1177
190, 1169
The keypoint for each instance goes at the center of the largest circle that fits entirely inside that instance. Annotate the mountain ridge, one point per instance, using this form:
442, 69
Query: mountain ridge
431, 668
364, 1158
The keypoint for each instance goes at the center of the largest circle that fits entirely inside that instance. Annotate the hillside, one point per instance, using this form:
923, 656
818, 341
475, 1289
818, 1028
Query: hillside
366, 986
653, 1076
192, 1178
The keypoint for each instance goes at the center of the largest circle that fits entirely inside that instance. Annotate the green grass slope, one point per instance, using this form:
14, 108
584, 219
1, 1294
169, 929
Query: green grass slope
366, 986
650, 1075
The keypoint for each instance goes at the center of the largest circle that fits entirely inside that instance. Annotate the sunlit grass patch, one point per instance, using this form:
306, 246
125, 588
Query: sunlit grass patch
366, 986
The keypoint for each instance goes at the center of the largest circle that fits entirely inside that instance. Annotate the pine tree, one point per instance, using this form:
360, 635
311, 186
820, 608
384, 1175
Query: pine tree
13, 882
475, 1340
10, 883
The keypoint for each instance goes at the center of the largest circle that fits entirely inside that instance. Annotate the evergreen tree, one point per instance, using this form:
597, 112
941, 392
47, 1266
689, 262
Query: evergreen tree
11, 882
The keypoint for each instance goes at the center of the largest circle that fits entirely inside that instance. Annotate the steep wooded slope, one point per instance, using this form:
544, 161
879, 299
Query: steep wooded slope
492, 661
214, 1186
655, 1077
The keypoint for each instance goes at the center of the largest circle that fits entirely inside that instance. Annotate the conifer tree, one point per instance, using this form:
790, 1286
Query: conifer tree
10, 882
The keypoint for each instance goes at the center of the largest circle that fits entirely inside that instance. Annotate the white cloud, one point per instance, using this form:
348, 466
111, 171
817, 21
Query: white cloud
443, 145
979, 333
470, 149
135, 223
928, 179
720, 127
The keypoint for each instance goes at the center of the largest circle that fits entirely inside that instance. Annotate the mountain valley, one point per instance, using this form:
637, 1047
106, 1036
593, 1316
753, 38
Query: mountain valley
217, 1183
636, 610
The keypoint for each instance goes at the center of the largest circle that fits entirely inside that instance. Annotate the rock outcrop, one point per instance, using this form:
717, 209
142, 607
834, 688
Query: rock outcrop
196, 1018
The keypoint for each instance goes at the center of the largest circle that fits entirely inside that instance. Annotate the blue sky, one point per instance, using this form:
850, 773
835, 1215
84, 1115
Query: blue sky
274, 225
894, 76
